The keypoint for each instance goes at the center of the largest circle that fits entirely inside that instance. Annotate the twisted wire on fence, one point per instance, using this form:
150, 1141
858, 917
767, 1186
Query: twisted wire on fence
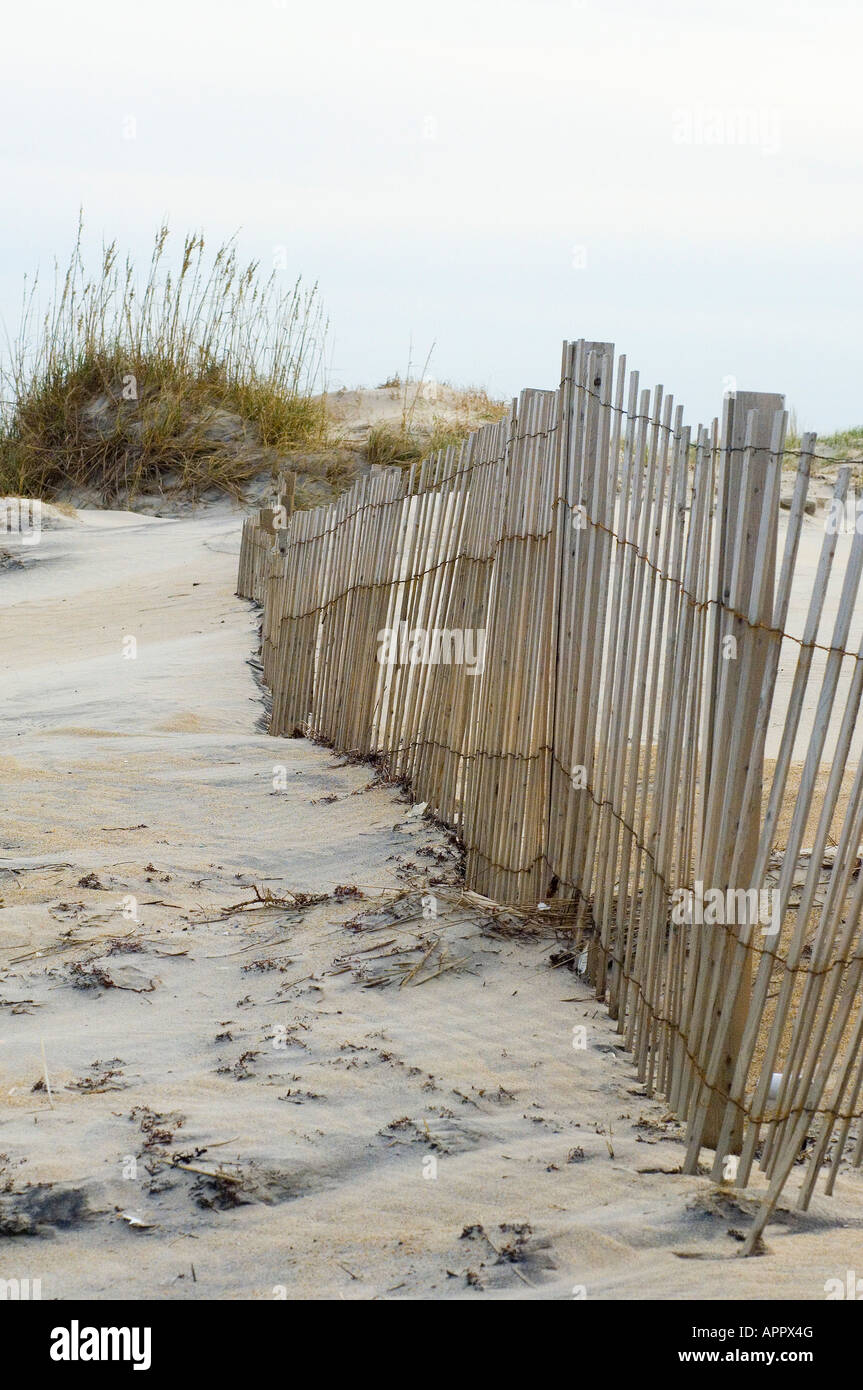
606, 582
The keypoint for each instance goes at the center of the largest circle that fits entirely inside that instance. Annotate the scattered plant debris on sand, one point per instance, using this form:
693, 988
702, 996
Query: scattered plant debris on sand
265, 901
91, 881
102, 974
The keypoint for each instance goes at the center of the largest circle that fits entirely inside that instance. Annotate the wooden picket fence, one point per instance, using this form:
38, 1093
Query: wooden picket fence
568, 635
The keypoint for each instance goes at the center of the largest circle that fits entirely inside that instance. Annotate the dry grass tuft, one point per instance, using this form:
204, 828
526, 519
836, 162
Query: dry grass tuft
410, 441
187, 376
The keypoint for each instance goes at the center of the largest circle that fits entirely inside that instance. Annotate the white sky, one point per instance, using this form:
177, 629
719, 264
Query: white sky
437, 167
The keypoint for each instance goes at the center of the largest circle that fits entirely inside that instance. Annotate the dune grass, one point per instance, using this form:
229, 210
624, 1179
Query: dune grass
409, 441
123, 380
847, 443
389, 444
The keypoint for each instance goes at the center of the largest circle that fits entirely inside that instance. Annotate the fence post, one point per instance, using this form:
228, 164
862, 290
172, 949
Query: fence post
575, 579
285, 509
285, 490
739, 571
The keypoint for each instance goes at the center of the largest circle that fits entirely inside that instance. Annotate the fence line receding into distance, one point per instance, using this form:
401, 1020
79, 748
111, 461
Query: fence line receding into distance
578, 637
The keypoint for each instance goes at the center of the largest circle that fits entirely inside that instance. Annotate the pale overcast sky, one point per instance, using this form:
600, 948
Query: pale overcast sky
491, 175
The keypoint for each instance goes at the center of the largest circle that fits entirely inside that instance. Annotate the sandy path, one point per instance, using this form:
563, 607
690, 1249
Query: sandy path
441, 1139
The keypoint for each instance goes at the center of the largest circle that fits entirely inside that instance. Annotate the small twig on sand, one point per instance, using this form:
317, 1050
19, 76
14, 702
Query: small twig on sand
31, 868
219, 1175
73, 945
419, 965
445, 965
293, 902
45, 1074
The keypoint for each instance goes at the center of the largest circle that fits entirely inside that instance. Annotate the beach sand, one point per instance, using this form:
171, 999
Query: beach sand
443, 1135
